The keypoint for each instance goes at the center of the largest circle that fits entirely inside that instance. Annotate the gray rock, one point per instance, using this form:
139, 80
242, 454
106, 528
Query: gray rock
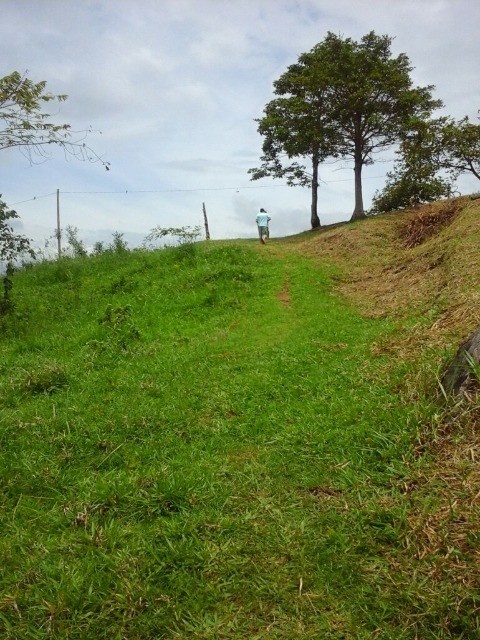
460, 376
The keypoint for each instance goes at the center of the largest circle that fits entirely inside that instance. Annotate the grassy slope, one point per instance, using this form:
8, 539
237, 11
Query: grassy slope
235, 443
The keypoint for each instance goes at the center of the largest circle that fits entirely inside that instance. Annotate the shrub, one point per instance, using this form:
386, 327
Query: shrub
119, 245
404, 190
76, 246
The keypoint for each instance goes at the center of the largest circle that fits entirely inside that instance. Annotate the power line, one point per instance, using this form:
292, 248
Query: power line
34, 198
127, 191
273, 186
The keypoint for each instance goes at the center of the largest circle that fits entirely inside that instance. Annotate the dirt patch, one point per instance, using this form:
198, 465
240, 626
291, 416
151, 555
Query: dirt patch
284, 295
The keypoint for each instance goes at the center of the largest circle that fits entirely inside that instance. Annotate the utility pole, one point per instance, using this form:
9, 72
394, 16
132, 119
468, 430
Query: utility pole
59, 231
207, 231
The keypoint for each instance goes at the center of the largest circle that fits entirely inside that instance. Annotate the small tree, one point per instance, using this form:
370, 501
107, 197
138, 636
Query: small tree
416, 176
12, 246
24, 125
76, 245
460, 147
408, 186
448, 145
119, 245
98, 248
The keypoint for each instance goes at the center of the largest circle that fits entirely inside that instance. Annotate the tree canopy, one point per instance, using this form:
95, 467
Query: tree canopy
345, 99
455, 145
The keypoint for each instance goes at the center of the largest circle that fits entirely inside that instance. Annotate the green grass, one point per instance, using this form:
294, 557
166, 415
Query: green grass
200, 443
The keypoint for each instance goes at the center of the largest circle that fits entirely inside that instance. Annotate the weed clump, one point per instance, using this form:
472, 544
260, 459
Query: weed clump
46, 380
118, 330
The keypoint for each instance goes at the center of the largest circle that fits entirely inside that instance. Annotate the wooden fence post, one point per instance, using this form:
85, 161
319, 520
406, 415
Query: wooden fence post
207, 231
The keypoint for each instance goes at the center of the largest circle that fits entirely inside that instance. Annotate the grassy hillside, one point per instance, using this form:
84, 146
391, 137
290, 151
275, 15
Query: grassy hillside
234, 441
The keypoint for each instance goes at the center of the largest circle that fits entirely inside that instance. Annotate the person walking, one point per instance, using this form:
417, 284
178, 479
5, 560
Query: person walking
262, 223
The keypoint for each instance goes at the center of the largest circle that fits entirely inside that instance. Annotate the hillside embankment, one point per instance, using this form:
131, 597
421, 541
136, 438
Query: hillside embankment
425, 258
226, 440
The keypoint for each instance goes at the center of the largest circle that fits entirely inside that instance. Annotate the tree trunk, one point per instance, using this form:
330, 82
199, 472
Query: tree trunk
358, 212
315, 220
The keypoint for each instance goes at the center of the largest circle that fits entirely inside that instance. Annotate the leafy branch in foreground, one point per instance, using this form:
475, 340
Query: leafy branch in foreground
27, 127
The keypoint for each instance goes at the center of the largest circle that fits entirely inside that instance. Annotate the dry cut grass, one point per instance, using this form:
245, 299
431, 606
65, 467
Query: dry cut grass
424, 259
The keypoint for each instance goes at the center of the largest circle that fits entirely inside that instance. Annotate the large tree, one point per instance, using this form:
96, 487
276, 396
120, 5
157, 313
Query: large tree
373, 98
26, 126
366, 95
297, 138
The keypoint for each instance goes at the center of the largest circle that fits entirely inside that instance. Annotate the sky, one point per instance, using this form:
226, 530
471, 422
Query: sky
171, 90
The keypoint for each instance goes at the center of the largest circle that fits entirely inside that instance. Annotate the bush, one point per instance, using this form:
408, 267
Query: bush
118, 245
413, 182
76, 246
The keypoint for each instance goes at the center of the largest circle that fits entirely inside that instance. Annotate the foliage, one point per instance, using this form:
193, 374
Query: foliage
78, 249
295, 127
414, 180
98, 248
6, 303
12, 245
27, 127
373, 99
410, 188
183, 235
351, 99
460, 147
453, 146
432, 153
76, 245
119, 245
